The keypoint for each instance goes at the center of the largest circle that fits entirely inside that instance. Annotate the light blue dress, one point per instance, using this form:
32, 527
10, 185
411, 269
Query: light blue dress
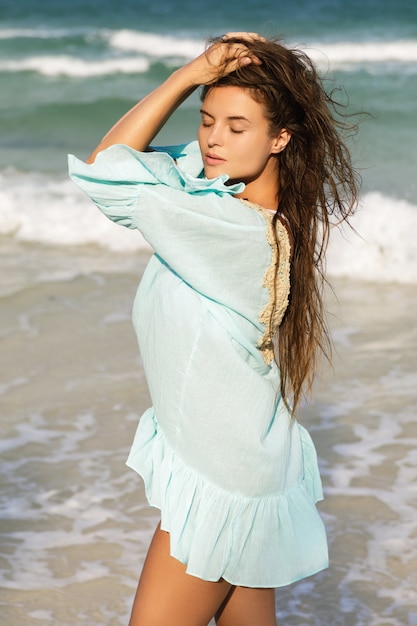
235, 479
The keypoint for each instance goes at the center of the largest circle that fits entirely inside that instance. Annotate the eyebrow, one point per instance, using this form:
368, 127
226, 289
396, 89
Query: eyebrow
239, 118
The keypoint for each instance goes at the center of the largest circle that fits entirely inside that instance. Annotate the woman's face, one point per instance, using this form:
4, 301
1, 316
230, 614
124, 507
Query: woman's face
234, 137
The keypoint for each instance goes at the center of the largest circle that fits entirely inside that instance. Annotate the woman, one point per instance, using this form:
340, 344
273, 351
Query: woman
229, 319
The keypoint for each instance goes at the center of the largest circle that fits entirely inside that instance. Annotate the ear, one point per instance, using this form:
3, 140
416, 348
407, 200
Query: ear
280, 141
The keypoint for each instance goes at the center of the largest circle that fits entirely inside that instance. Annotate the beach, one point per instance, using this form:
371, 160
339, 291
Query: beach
74, 522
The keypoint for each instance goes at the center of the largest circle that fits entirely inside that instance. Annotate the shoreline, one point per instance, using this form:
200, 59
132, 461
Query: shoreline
75, 524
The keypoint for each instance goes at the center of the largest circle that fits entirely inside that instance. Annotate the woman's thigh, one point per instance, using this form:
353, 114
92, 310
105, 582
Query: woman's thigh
166, 595
245, 606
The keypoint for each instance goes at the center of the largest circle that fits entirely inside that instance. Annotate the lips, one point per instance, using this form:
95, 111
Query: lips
213, 159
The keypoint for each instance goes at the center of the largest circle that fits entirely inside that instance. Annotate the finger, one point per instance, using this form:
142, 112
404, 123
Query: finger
243, 35
239, 60
242, 54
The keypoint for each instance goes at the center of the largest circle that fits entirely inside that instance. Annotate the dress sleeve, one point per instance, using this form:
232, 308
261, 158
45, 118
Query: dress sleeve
211, 240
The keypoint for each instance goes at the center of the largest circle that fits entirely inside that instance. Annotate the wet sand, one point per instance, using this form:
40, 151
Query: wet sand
74, 522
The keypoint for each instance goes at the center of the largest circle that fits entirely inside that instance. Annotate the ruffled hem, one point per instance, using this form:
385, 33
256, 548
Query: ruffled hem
253, 542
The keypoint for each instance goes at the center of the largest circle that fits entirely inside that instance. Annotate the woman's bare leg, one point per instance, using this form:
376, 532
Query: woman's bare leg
166, 595
245, 606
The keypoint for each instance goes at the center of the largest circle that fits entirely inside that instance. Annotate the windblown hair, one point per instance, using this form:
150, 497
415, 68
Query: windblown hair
317, 185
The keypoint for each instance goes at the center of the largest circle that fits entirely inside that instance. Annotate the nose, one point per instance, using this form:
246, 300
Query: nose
215, 137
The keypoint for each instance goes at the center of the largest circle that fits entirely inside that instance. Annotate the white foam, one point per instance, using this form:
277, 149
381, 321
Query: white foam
64, 65
175, 49
337, 53
52, 211
82, 509
40, 209
34, 33
178, 45
383, 248
156, 45
354, 53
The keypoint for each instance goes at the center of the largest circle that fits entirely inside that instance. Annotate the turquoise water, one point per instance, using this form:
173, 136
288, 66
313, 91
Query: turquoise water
68, 71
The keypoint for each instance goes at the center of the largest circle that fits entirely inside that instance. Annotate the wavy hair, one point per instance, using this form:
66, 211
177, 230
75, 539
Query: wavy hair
317, 183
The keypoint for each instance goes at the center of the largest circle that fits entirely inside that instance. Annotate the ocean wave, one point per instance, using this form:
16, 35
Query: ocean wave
77, 67
64, 65
381, 247
141, 48
154, 45
353, 54
36, 33
337, 53
159, 45
37, 208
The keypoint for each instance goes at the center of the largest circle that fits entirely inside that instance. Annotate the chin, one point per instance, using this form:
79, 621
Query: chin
209, 174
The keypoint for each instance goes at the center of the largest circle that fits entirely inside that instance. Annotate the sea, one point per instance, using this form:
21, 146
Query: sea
74, 523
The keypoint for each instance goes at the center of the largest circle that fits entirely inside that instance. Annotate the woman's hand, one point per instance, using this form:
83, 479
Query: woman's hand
223, 57
139, 126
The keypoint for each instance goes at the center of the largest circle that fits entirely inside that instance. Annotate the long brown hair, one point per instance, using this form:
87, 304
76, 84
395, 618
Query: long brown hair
316, 182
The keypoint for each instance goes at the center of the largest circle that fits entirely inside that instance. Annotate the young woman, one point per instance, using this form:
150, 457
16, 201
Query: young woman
229, 319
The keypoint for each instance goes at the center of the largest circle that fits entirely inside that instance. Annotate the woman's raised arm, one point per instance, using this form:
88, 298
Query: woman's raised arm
138, 127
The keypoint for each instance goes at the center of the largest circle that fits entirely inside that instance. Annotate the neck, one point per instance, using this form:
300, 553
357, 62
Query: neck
264, 189
262, 195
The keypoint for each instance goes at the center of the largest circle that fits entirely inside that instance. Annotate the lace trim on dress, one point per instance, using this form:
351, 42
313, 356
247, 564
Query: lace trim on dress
276, 280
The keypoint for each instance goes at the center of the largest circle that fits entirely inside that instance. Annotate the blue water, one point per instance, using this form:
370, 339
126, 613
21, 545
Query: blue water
68, 70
